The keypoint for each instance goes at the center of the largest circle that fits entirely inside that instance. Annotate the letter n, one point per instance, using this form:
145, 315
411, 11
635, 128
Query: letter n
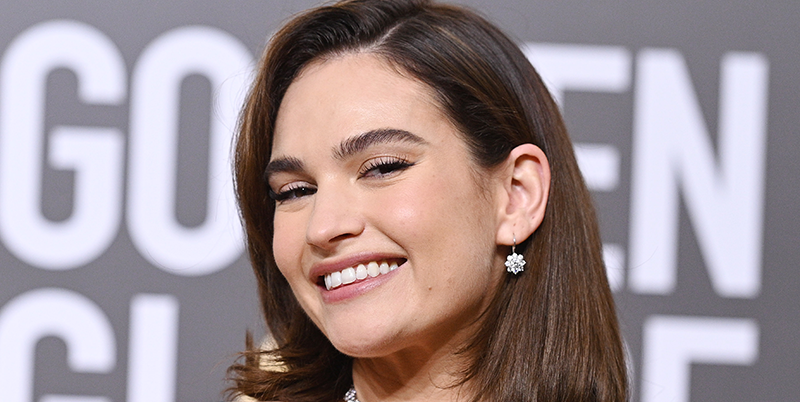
723, 191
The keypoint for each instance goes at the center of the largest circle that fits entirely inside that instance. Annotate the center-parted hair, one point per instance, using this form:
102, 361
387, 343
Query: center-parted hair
550, 333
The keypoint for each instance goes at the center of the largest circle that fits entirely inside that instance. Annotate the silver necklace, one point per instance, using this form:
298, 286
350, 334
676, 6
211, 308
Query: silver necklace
350, 396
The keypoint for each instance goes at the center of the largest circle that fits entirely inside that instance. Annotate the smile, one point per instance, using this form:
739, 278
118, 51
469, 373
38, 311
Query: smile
357, 273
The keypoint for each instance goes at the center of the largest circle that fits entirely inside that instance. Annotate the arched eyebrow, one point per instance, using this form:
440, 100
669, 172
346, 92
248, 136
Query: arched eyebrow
361, 142
284, 164
347, 148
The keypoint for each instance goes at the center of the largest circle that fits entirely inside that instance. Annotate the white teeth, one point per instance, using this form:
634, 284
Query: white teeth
336, 279
361, 272
357, 273
373, 269
348, 276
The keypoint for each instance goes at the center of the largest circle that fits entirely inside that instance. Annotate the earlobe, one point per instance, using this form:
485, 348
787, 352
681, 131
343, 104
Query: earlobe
525, 188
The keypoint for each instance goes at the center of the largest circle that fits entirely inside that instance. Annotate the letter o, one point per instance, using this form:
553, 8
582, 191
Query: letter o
153, 149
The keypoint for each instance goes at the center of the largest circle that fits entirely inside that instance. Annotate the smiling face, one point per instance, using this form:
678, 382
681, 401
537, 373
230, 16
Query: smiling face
384, 234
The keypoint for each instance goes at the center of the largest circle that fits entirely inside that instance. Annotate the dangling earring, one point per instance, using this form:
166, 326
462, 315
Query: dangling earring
514, 262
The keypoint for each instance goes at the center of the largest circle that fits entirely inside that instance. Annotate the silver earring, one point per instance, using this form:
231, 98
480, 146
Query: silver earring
514, 262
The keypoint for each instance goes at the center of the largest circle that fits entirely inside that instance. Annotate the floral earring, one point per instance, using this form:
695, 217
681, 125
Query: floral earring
514, 262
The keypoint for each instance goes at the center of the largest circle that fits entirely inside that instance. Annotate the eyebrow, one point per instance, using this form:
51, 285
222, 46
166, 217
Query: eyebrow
347, 148
361, 142
284, 164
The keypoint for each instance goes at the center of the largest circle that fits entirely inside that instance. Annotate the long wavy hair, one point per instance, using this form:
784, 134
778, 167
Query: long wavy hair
549, 334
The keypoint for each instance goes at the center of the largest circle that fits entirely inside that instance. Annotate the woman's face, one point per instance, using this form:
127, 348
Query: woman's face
381, 229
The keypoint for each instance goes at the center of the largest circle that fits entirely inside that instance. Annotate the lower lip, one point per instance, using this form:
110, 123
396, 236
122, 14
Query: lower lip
355, 289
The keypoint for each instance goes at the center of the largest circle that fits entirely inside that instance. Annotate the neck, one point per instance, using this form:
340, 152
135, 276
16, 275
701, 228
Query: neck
411, 375
430, 369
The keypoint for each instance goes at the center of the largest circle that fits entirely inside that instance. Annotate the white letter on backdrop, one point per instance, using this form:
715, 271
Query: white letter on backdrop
672, 344
95, 154
587, 68
153, 348
584, 68
79, 322
156, 85
671, 147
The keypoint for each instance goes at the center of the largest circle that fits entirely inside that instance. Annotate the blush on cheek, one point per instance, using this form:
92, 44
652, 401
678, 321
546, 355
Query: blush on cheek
405, 215
419, 199
404, 206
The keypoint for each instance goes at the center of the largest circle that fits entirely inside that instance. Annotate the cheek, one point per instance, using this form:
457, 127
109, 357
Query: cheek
413, 210
287, 243
439, 215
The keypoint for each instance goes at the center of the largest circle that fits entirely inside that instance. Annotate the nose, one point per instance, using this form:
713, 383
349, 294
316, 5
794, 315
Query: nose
335, 217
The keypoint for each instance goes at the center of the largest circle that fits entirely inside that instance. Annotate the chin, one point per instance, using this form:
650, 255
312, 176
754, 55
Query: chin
365, 351
363, 344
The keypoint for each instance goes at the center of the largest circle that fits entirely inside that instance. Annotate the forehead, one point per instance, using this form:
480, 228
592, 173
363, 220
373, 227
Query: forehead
335, 98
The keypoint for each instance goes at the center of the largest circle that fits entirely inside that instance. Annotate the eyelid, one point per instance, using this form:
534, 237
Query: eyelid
397, 162
287, 191
277, 181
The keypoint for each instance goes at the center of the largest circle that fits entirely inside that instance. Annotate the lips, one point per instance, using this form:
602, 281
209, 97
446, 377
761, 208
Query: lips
358, 272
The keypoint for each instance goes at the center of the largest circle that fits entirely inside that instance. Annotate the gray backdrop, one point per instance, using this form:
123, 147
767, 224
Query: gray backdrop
122, 276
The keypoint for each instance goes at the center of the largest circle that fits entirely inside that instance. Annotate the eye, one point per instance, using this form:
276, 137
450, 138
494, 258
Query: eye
383, 166
292, 191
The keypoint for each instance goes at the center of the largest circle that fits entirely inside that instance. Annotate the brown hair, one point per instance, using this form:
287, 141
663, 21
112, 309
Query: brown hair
551, 333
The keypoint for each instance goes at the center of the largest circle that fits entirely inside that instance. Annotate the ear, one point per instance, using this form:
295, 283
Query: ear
525, 186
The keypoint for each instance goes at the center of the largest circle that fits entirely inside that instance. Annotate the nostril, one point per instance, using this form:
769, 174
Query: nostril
343, 236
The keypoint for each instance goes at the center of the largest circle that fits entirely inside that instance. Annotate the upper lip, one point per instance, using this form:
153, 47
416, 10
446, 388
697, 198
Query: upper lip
326, 267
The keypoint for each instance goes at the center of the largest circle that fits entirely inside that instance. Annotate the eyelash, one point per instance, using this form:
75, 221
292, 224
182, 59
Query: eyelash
382, 166
294, 191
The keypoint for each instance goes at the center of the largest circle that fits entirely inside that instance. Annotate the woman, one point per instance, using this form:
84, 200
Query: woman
416, 219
